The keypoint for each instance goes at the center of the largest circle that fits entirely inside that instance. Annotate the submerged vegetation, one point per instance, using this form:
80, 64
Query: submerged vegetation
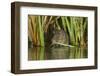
46, 30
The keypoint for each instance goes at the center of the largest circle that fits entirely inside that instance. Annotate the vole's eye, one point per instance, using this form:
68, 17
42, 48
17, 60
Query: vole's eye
53, 32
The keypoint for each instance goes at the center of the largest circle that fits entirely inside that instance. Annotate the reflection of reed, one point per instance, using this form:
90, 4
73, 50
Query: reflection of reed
40, 53
36, 53
78, 53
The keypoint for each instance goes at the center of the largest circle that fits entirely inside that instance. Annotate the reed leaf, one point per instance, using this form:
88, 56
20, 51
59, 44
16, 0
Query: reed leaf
41, 32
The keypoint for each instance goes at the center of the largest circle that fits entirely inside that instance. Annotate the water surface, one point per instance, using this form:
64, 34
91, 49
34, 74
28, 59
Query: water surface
45, 53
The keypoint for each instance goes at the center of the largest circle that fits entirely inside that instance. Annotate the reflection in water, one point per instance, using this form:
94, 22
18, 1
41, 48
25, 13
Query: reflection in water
41, 53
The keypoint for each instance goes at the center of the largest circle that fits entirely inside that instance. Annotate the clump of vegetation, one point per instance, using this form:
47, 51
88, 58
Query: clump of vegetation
41, 30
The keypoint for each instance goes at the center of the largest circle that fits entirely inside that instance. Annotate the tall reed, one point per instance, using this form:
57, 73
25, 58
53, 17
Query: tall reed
75, 28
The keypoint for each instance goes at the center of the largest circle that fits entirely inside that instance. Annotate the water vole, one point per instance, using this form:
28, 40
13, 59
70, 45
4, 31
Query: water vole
58, 38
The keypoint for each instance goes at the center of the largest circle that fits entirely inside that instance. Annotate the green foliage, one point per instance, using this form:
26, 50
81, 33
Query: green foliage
75, 28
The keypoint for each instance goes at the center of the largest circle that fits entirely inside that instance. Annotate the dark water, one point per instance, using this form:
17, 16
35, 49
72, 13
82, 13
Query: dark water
41, 53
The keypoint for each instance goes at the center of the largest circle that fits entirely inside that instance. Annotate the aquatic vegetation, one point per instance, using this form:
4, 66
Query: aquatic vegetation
41, 30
